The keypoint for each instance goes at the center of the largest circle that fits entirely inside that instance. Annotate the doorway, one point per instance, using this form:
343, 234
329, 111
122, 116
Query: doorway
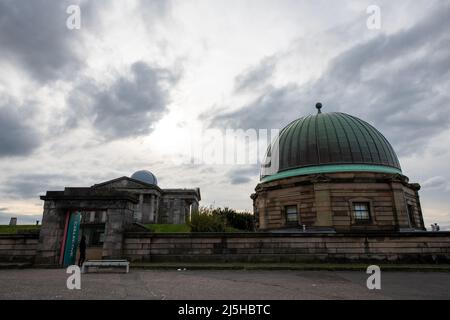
93, 228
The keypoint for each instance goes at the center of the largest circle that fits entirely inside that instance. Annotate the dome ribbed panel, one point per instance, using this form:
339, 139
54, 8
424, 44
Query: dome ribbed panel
333, 138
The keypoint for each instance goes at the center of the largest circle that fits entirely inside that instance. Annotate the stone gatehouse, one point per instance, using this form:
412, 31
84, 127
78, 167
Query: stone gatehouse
107, 210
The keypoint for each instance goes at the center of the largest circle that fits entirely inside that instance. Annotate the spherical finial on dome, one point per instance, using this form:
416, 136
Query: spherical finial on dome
318, 107
145, 176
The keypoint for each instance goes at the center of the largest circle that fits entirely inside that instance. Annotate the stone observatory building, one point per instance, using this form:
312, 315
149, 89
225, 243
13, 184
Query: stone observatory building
104, 211
155, 205
335, 172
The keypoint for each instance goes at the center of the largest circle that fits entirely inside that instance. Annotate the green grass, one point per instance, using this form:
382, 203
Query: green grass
231, 229
168, 228
18, 229
184, 228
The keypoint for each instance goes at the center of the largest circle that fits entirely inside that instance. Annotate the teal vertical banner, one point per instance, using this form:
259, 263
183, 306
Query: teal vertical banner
73, 229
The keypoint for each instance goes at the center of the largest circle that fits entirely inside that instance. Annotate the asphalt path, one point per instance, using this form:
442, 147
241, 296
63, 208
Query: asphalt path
223, 284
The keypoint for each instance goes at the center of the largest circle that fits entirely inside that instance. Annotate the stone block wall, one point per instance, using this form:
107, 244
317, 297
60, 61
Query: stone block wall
379, 195
272, 209
18, 248
326, 201
413, 247
273, 247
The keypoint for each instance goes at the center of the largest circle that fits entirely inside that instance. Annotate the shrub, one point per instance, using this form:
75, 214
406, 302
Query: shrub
237, 220
205, 221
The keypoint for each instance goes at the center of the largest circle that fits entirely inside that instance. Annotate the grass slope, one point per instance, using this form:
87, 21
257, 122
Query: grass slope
183, 228
4, 229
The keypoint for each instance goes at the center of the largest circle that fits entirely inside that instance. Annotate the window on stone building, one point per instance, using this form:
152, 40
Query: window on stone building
97, 237
291, 214
361, 211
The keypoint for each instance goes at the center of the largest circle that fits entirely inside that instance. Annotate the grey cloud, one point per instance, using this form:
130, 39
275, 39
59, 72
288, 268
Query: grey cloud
155, 8
17, 137
28, 186
397, 82
207, 170
255, 77
239, 180
242, 175
435, 183
33, 34
270, 110
129, 107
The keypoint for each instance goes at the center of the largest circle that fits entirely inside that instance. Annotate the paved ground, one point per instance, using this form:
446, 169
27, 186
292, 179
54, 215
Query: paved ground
217, 284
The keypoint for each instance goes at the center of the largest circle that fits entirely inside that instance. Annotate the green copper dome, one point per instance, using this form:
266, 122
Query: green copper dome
329, 142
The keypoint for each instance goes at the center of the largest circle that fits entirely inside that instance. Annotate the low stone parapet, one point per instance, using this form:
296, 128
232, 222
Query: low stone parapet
414, 247
18, 247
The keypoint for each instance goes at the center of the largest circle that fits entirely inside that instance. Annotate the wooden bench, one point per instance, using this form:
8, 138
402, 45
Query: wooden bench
104, 264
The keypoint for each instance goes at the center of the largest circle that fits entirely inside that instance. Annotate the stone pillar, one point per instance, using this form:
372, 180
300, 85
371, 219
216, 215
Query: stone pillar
419, 208
187, 211
169, 213
182, 211
117, 220
263, 213
400, 210
175, 211
152, 209
322, 202
194, 207
157, 198
140, 212
51, 235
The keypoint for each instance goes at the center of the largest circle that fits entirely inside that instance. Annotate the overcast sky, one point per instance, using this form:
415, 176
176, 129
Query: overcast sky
78, 107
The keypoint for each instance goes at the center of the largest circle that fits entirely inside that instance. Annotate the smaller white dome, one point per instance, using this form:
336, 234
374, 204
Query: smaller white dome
145, 176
